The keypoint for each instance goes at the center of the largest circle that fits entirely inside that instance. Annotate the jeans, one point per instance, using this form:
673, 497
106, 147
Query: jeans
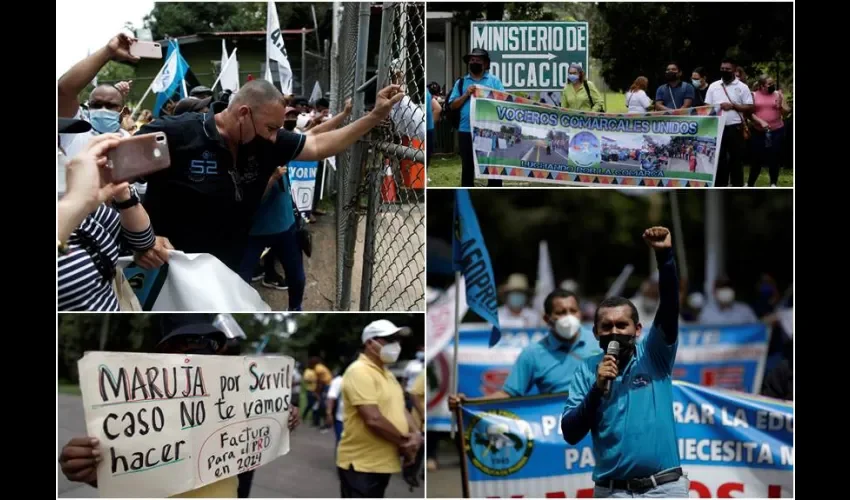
311, 401
730, 165
285, 248
764, 156
676, 489
338, 430
467, 160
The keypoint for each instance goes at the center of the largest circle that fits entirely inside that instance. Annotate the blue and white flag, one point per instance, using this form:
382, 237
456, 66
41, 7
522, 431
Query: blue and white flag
470, 257
730, 445
170, 77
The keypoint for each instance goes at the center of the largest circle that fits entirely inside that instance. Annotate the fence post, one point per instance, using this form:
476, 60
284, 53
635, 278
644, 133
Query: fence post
356, 163
374, 176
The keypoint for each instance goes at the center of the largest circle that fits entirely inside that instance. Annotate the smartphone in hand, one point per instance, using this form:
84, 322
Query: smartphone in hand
147, 50
138, 156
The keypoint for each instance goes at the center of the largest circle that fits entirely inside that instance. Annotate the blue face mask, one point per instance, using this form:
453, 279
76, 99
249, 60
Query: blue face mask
105, 121
420, 355
516, 300
572, 78
696, 83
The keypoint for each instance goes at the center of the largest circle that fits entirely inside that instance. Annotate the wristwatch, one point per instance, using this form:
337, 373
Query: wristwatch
130, 203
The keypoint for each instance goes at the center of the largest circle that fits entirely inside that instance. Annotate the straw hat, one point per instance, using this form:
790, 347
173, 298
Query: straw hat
516, 283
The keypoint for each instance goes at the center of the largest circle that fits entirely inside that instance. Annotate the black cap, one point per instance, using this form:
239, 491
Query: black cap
72, 126
476, 52
175, 325
191, 105
200, 91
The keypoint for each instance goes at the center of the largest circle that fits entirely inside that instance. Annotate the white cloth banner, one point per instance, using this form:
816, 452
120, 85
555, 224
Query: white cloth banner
193, 282
171, 423
275, 50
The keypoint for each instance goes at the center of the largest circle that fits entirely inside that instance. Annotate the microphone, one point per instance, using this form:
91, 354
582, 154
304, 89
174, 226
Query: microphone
613, 350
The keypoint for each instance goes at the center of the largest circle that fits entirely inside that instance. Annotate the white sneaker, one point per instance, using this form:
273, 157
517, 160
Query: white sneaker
773, 185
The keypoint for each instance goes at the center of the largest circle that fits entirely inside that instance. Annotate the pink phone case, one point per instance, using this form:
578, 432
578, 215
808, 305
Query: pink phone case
148, 50
138, 156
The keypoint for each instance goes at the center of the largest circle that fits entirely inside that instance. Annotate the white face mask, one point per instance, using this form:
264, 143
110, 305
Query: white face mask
567, 327
725, 295
390, 352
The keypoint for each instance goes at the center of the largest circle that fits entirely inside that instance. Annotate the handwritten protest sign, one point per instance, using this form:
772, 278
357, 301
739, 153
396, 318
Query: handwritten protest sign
170, 423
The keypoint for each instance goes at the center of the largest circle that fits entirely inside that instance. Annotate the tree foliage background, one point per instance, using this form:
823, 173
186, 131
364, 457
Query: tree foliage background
333, 337
593, 234
633, 39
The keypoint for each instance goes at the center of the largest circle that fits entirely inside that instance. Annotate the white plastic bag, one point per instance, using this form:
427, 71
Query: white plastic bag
193, 282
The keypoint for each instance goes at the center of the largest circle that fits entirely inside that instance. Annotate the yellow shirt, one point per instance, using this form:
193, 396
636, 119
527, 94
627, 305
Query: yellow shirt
418, 392
226, 488
365, 383
309, 379
323, 374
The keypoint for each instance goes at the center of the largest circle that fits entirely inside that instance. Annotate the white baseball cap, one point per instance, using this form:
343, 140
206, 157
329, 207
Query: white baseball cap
382, 328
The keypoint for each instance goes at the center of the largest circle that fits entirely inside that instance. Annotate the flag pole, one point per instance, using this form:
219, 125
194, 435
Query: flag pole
455, 381
226, 65
138, 104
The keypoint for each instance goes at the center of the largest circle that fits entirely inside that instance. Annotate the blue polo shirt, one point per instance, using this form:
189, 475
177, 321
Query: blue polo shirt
429, 111
549, 364
487, 80
275, 214
633, 429
667, 94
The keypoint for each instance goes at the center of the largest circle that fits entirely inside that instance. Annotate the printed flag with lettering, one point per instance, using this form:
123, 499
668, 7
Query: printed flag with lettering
275, 51
471, 258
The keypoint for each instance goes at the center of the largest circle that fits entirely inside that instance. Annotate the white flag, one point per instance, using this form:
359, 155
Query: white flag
317, 93
166, 74
545, 277
230, 73
440, 319
275, 51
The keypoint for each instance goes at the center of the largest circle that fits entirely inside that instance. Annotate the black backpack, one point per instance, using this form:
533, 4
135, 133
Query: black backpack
453, 115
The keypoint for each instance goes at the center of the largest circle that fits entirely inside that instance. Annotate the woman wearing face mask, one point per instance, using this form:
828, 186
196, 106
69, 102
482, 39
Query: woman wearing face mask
514, 313
88, 254
379, 433
768, 129
579, 93
700, 83
636, 99
274, 226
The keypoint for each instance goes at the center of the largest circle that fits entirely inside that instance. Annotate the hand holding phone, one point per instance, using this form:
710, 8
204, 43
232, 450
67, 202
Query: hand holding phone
148, 50
138, 156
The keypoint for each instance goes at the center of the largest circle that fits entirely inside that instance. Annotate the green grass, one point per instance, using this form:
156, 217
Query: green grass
66, 387
445, 172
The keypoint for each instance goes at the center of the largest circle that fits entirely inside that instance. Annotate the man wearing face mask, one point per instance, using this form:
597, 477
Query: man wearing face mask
221, 163
514, 313
700, 83
377, 429
724, 310
204, 334
626, 402
478, 62
675, 94
106, 109
733, 100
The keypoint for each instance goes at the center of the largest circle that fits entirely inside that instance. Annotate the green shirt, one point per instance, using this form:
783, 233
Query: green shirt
578, 100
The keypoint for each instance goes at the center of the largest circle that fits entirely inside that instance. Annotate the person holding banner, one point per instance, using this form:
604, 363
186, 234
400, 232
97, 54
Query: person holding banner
221, 163
624, 396
549, 364
205, 334
478, 62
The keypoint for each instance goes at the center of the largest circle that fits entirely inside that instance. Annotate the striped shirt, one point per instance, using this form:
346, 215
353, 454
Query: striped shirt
96, 242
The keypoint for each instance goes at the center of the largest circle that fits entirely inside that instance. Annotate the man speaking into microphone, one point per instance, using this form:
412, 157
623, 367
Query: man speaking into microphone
624, 396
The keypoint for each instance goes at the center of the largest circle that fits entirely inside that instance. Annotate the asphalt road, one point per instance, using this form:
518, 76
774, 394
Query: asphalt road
308, 471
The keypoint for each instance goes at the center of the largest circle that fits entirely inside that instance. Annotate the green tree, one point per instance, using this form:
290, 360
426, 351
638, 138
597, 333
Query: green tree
178, 19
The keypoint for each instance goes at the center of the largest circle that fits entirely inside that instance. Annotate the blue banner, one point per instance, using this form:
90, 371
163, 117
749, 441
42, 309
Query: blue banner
470, 257
730, 445
302, 178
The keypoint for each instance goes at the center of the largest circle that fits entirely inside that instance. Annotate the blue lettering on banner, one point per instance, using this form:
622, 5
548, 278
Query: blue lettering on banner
520, 439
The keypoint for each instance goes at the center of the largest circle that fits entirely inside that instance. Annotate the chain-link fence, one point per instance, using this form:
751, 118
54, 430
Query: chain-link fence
380, 181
